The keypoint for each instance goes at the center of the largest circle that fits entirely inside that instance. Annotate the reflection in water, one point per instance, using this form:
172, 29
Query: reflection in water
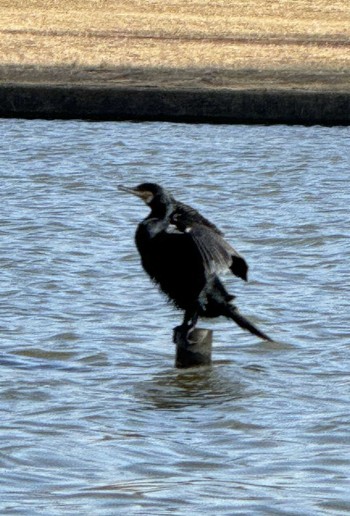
201, 386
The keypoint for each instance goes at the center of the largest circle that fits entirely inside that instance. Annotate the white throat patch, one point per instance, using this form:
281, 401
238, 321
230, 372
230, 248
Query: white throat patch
148, 197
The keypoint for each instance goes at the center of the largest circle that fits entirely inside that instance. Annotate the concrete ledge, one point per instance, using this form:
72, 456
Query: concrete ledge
222, 106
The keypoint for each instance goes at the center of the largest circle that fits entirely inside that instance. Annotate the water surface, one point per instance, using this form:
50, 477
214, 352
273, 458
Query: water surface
95, 419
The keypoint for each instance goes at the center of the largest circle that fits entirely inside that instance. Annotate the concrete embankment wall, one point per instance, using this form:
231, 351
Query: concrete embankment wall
177, 105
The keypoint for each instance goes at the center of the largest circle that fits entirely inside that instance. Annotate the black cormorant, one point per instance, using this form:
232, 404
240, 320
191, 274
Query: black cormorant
184, 253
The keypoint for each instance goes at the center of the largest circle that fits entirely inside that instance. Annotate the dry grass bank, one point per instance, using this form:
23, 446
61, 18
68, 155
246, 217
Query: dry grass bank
206, 43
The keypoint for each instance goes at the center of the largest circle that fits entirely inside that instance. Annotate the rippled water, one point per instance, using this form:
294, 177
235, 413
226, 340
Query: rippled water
95, 419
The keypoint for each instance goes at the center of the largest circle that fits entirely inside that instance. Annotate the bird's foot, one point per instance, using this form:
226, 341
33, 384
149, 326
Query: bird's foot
183, 333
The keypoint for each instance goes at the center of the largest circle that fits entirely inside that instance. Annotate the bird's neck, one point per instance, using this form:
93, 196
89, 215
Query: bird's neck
161, 207
159, 218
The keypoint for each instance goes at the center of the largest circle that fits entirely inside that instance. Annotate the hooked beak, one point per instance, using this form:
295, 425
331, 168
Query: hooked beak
144, 195
129, 190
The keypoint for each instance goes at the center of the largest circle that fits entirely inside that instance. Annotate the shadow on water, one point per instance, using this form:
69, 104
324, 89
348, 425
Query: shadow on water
200, 386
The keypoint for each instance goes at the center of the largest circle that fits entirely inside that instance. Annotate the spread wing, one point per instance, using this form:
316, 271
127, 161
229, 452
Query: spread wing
217, 254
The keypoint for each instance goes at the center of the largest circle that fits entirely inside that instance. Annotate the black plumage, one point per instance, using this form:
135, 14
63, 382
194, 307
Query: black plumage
184, 253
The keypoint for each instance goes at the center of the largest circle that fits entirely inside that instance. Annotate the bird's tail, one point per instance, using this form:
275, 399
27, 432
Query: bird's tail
245, 324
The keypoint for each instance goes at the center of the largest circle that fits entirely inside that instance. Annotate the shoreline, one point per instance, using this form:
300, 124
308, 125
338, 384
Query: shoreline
174, 104
250, 62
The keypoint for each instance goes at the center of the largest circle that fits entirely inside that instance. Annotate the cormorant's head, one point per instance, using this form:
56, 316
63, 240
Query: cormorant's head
146, 191
156, 197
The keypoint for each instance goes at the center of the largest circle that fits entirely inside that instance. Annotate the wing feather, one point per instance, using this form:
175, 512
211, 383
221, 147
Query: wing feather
218, 255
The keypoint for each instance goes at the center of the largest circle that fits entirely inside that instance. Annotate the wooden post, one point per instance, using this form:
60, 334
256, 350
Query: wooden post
194, 350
